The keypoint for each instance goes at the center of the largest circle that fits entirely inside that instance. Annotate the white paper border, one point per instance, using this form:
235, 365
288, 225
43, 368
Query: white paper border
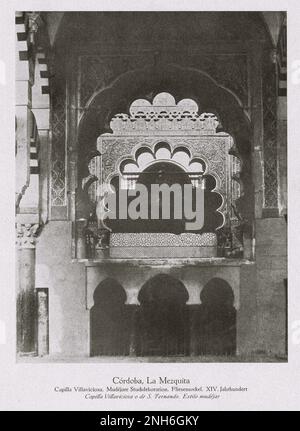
272, 386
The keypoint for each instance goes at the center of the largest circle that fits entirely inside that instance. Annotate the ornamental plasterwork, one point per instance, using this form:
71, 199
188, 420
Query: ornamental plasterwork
178, 125
270, 141
58, 168
212, 150
163, 117
26, 235
164, 239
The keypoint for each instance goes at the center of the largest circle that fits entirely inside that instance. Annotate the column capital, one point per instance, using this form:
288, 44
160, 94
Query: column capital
132, 296
194, 294
26, 235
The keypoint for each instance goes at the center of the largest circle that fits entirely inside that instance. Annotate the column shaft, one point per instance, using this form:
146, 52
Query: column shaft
42, 322
133, 310
26, 302
193, 311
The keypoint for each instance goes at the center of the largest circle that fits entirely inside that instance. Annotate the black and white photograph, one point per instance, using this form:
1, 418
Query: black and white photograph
151, 186
150, 201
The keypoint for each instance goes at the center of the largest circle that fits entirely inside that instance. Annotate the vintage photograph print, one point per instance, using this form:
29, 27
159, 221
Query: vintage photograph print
151, 186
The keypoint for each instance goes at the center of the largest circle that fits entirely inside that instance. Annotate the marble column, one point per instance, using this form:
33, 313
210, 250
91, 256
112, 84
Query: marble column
26, 297
133, 311
42, 321
193, 313
193, 307
132, 305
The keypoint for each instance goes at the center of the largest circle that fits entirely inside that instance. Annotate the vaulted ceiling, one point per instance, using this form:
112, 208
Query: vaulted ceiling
66, 28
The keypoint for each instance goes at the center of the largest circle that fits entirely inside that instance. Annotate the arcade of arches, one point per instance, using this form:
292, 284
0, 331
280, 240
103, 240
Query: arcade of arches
110, 101
163, 325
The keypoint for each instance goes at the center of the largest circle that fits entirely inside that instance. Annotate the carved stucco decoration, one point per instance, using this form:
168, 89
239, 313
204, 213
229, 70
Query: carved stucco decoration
58, 168
26, 235
270, 138
197, 133
166, 239
165, 121
212, 151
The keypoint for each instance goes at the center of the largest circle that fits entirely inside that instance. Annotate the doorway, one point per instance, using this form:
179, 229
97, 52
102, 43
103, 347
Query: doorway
163, 319
216, 323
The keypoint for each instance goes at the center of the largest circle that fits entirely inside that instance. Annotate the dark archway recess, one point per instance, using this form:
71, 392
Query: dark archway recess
168, 173
162, 320
181, 83
216, 323
109, 320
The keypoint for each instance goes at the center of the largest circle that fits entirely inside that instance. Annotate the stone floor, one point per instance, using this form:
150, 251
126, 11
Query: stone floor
152, 359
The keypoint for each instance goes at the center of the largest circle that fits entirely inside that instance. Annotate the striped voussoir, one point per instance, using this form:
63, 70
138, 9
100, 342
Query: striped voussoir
22, 36
34, 150
43, 71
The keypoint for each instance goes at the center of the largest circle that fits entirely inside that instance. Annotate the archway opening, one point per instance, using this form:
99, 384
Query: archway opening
109, 320
182, 84
162, 319
216, 326
172, 149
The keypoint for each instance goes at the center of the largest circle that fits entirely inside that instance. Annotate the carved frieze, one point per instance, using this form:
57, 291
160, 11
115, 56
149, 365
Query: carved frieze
160, 239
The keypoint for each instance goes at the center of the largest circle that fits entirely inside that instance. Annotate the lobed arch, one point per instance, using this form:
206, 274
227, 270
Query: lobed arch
133, 155
188, 164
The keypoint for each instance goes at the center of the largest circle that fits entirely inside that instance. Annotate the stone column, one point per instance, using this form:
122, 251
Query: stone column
26, 299
132, 305
42, 321
193, 307
193, 312
133, 312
